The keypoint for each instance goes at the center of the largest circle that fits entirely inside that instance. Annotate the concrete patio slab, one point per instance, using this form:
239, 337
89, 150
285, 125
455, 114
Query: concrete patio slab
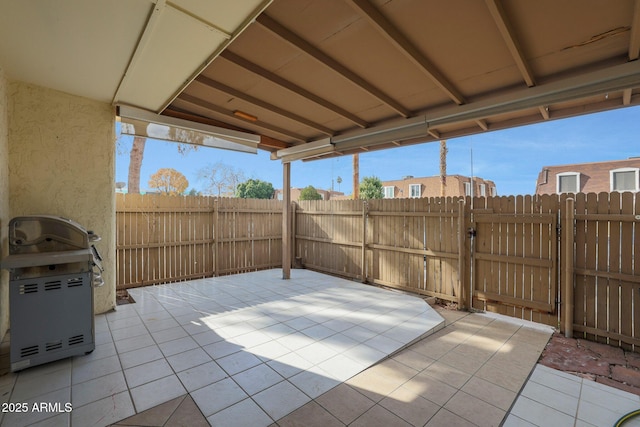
249, 345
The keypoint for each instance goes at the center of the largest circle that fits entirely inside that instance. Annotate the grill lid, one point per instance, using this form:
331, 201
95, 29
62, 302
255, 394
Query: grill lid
46, 233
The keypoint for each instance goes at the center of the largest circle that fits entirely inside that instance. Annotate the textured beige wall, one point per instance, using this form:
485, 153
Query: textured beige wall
4, 204
62, 162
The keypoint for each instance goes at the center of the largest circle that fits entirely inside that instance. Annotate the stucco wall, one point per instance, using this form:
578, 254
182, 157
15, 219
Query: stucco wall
62, 162
4, 204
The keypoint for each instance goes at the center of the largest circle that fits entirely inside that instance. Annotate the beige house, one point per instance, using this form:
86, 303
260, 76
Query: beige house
295, 194
596, 177
430, 186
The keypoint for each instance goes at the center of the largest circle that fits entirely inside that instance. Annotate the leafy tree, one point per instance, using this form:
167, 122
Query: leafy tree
220, 179
194, 192
169, 181
310, 193
371, 188
255, 189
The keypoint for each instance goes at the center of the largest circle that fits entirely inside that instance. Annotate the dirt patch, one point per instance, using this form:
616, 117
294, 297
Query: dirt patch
598, 362
123, 297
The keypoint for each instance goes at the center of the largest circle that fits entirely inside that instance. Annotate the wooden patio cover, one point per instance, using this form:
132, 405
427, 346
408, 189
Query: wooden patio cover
371, 74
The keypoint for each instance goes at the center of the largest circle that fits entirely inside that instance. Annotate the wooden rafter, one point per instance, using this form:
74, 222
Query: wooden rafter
634, 47
634, 40
263, 104
395, 36
510, 39
544, 111
209, 106
312, 51
274, 78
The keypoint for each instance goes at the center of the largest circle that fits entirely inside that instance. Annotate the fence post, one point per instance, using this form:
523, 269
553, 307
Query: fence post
286, 221
567, 273
461, 252
216, 237
363, 258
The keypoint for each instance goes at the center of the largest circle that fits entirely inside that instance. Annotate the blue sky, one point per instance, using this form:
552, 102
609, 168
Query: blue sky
511, 158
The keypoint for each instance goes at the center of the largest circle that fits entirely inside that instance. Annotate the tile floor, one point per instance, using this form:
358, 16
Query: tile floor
556, 398
303, 353
247, 348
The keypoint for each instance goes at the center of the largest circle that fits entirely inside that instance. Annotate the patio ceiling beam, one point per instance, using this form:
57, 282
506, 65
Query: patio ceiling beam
404, 46
544, 112
482, 123
417, 129
209, 106
324, 59
634, 38
508, 35
266, 142
634, 46
274, 78
263, 104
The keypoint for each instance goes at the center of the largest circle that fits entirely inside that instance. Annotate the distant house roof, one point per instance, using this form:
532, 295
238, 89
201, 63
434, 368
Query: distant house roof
593, 177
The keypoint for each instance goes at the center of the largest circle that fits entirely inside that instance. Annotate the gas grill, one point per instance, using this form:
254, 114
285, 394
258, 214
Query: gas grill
53, 269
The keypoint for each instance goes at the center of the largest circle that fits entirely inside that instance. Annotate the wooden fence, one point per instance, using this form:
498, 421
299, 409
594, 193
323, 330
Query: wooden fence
163, 239
511, 254
572, 262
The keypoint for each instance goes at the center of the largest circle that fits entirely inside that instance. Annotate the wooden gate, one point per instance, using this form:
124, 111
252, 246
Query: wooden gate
514, 268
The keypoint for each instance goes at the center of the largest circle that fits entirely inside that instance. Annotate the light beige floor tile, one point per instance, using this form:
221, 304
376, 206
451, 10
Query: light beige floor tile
550, 397
98, 388
345, 403
378, 416
313, 384
430, 388
409, 406
156, 416
60, 420
217, 396
140, 356
498, 375
201, 376
468, 363
310, 415
256, 379
447, 374
242, 414
147, 372
475, 410
413, 359
104, 411
395, 369
490, 393
156, 392
188, 359
513, 421
448, 419
539, 414
95, 369
281, 399
375, 385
